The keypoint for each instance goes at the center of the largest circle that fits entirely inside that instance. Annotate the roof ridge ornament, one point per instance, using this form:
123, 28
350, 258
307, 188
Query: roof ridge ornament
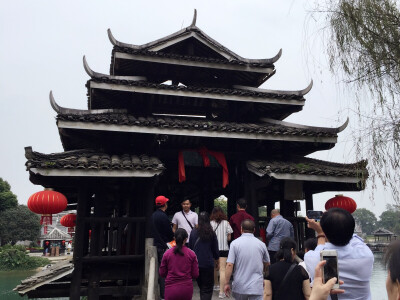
64, 111
267, 91
94, 74
115, 42
194, 19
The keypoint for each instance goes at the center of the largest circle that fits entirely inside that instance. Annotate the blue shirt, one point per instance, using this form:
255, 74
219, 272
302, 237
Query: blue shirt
355, 262
278, 228
206, 251
248, 254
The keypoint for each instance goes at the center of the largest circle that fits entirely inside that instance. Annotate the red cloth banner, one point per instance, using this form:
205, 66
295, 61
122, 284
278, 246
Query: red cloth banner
204, 152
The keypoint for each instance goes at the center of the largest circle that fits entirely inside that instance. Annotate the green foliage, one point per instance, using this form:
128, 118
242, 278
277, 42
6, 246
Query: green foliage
17, 224
362, 38
390, 220
16, 258
7, 198
366, 219
222, 202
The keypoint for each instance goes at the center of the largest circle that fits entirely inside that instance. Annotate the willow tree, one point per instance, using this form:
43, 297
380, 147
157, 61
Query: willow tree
363, 45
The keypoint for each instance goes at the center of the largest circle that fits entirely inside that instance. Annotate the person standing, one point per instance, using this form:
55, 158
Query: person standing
223, 231
287, 280
335, 231
277, 229
162, 233
236, 220
203, 241
248, 256
179, 266
185, 218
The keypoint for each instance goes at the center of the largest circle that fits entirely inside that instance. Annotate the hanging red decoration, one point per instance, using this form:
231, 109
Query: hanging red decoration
204, 152
46, 203
68, 220
343, 202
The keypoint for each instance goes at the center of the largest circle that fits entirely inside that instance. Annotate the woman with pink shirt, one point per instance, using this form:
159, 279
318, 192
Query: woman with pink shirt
179, 266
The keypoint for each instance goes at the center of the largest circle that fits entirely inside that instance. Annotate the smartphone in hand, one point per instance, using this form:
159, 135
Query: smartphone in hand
330, 269
314, 214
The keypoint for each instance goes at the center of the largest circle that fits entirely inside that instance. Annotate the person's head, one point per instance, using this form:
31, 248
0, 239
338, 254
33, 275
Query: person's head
161, 202
204, 227
275, 212
287, 250
218, 214
241, 204
247, 226
186, 204
310, 244
392, 262
180, 239
338, 225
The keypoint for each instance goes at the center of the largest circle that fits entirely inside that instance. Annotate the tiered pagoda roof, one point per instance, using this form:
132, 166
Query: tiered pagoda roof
186, 91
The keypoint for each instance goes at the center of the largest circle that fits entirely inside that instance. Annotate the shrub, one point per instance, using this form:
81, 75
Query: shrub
15, 258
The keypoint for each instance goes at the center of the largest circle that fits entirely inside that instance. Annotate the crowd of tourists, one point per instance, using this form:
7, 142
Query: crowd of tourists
213, 250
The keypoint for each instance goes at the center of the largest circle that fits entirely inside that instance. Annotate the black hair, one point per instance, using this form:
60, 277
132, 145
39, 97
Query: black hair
242, 203
285, 247
392, 260
248, 226
204, 228
310, 244
338, 225
158, 206
184, 199
180, 236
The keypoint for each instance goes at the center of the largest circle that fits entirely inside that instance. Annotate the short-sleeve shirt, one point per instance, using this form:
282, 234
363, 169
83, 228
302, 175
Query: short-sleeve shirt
236, 221
355, 263
248, 254
292, 289
277, 229
222, 230
180, 220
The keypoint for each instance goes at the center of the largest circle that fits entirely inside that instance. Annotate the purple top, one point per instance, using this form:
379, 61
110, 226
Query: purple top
178, 269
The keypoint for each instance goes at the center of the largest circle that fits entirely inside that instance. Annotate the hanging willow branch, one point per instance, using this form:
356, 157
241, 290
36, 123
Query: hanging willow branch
363, 46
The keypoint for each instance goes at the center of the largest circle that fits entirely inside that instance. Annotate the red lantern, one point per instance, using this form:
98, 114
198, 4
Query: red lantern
46, 203
68, 220
343, 202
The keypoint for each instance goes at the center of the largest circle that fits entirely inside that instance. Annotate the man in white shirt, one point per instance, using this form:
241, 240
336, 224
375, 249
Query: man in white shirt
185, 218
355, 259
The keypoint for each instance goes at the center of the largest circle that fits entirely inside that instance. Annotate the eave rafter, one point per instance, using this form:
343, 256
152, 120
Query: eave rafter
193, 92
159, 125
89, 163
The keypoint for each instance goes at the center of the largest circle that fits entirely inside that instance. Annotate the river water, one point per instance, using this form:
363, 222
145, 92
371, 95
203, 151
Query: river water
9, 280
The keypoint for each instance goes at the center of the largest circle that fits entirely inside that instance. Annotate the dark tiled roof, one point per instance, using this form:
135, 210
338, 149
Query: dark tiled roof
307, 166
198, 124
382, 231
187, 57
197, 89
91, 160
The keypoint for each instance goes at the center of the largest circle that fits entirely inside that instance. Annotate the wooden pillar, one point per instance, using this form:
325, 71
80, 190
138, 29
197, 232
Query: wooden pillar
83, 199
251, 197
309, 206
149, 197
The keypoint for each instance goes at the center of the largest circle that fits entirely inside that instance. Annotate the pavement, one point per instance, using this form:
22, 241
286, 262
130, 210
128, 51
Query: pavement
52, 258
196, 293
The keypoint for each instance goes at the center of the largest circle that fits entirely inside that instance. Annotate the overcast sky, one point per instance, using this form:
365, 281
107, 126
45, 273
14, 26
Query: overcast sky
43, 42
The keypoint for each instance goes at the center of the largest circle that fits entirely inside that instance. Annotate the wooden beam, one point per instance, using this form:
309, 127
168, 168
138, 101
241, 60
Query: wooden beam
79, 242
113, 259
190, 94
183, 132
192, 63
